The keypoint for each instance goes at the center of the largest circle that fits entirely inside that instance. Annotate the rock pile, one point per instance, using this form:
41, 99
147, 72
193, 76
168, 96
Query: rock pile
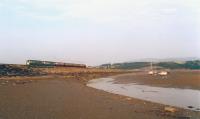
16, 70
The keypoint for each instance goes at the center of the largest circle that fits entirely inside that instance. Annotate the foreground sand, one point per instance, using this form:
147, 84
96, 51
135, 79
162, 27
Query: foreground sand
65, 97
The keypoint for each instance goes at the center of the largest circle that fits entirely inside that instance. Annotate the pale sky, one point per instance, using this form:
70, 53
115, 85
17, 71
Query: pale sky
98, 31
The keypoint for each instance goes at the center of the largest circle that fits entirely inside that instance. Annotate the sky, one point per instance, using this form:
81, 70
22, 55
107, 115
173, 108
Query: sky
98, 31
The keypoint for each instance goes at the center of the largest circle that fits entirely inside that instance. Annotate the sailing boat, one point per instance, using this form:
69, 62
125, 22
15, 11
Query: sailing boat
163, 73
151, 72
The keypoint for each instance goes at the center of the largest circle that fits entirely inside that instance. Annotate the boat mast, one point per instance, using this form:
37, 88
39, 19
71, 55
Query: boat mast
151, 66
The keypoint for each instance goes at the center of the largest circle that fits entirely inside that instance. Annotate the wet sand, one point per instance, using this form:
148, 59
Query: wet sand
184, 79
57, 97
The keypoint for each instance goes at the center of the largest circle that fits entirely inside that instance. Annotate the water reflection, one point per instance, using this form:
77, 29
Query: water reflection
183, 98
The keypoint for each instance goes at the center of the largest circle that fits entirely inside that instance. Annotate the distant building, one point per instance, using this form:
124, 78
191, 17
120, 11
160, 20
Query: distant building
105, 66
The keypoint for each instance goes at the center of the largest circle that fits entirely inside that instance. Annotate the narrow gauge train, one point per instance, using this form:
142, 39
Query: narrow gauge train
38, 63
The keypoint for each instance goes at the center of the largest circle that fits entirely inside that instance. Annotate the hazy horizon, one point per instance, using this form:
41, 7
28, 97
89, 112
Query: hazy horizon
99, 31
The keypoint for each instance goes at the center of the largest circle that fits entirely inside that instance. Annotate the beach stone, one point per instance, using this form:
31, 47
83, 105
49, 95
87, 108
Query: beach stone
129, 99
170, 109
190, 107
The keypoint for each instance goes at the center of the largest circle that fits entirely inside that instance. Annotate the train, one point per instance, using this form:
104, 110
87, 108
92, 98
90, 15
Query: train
39, 63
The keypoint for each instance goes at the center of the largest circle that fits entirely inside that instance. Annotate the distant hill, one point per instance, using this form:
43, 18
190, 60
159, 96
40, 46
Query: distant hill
169, 65
126, 65
187, 65
166, 59
130, 65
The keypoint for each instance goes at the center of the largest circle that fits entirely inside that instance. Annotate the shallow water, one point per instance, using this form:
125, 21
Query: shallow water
183, 98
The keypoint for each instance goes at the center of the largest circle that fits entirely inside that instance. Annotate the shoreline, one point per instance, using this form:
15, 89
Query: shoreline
148, 93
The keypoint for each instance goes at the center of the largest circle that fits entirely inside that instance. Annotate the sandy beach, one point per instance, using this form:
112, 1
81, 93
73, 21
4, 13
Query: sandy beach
62, 97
